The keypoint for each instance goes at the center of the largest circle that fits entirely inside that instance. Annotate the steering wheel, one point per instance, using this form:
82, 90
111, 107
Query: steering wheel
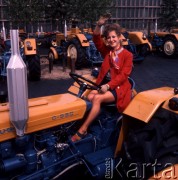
84, 83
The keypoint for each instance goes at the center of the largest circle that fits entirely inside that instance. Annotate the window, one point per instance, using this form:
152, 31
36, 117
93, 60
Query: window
146, 2
146, 12
124, 3
132, 3
132, 12
119, 3
137, 2
113, 12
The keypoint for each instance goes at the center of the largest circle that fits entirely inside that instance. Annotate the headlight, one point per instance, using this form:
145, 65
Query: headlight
144, 36
28, 43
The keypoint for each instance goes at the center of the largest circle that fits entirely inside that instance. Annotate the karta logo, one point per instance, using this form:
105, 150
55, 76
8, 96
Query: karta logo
138, 170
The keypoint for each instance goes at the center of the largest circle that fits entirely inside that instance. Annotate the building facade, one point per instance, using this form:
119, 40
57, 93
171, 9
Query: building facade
136, 14
131, 14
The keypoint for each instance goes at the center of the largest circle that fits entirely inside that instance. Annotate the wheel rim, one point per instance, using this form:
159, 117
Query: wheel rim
169, 48
51, 56
72, 52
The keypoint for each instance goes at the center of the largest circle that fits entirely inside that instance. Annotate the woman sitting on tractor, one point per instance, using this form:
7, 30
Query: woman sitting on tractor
118, 62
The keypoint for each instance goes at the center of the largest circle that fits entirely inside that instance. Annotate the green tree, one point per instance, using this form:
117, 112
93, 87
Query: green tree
24, 12
169, 14
27, 12
77, 9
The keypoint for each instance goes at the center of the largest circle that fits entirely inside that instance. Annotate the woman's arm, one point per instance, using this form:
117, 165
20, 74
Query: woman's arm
97, 39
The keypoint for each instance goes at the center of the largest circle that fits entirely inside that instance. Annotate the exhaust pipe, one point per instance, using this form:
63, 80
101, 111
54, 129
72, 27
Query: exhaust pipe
156, 26
3, 31
17, 86
65, 30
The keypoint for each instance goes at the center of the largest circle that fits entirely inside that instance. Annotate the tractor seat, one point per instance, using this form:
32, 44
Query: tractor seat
132, 82
95, 73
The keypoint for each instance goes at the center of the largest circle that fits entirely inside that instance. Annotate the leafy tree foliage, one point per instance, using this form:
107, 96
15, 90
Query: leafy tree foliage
23, 11
77, 9
169, 14
29, 11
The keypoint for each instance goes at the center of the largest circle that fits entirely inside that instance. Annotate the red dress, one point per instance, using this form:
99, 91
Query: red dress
120, 69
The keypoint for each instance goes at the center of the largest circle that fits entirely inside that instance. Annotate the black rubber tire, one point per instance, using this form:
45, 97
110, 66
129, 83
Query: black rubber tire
144, 50
33, 67
51, 55
81, 53
170, 46
152, 143
51, 60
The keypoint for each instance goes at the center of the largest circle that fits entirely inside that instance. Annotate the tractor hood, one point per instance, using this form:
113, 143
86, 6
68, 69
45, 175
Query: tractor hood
44, 112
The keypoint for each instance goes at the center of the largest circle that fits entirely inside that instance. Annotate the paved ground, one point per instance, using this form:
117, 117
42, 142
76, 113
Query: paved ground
155, 71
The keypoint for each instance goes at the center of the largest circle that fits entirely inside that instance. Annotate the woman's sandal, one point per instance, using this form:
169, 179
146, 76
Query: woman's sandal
78, 136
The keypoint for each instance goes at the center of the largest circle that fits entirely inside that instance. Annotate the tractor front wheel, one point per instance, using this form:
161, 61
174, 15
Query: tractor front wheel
76, 53
33, 67
170, 46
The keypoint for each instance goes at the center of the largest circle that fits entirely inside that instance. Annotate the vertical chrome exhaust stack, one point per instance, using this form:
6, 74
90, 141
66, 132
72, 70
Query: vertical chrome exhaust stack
65, 30
17, 86
156, 26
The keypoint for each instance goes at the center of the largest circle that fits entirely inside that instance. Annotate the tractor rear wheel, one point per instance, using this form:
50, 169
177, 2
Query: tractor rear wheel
152, 145
51, 59
170, 46
33, 67
76, 52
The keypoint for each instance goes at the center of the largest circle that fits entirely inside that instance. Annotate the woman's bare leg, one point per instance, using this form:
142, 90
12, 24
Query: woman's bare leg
96, 104
91, 95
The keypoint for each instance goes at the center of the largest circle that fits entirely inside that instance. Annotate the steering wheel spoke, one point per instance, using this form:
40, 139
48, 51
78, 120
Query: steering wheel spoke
84, 83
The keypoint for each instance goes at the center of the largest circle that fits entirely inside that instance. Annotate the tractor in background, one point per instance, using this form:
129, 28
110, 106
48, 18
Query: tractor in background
75, 45
29, 53
138, 44
165, 42
32, 59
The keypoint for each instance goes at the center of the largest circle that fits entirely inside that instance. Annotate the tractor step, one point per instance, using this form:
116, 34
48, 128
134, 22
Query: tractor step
100, 156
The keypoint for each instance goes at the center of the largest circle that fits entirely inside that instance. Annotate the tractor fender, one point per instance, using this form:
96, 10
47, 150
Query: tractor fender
172, 35
83, 40
150, 46
144, 105
54, 52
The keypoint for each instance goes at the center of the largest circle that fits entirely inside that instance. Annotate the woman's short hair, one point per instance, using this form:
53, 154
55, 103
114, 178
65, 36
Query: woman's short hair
111, 27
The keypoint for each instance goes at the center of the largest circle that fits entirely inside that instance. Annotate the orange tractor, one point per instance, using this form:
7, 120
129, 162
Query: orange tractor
75, 45
166, 42
140, 143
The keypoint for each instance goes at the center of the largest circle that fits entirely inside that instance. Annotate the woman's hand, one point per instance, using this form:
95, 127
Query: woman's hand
102, 20
104, 88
